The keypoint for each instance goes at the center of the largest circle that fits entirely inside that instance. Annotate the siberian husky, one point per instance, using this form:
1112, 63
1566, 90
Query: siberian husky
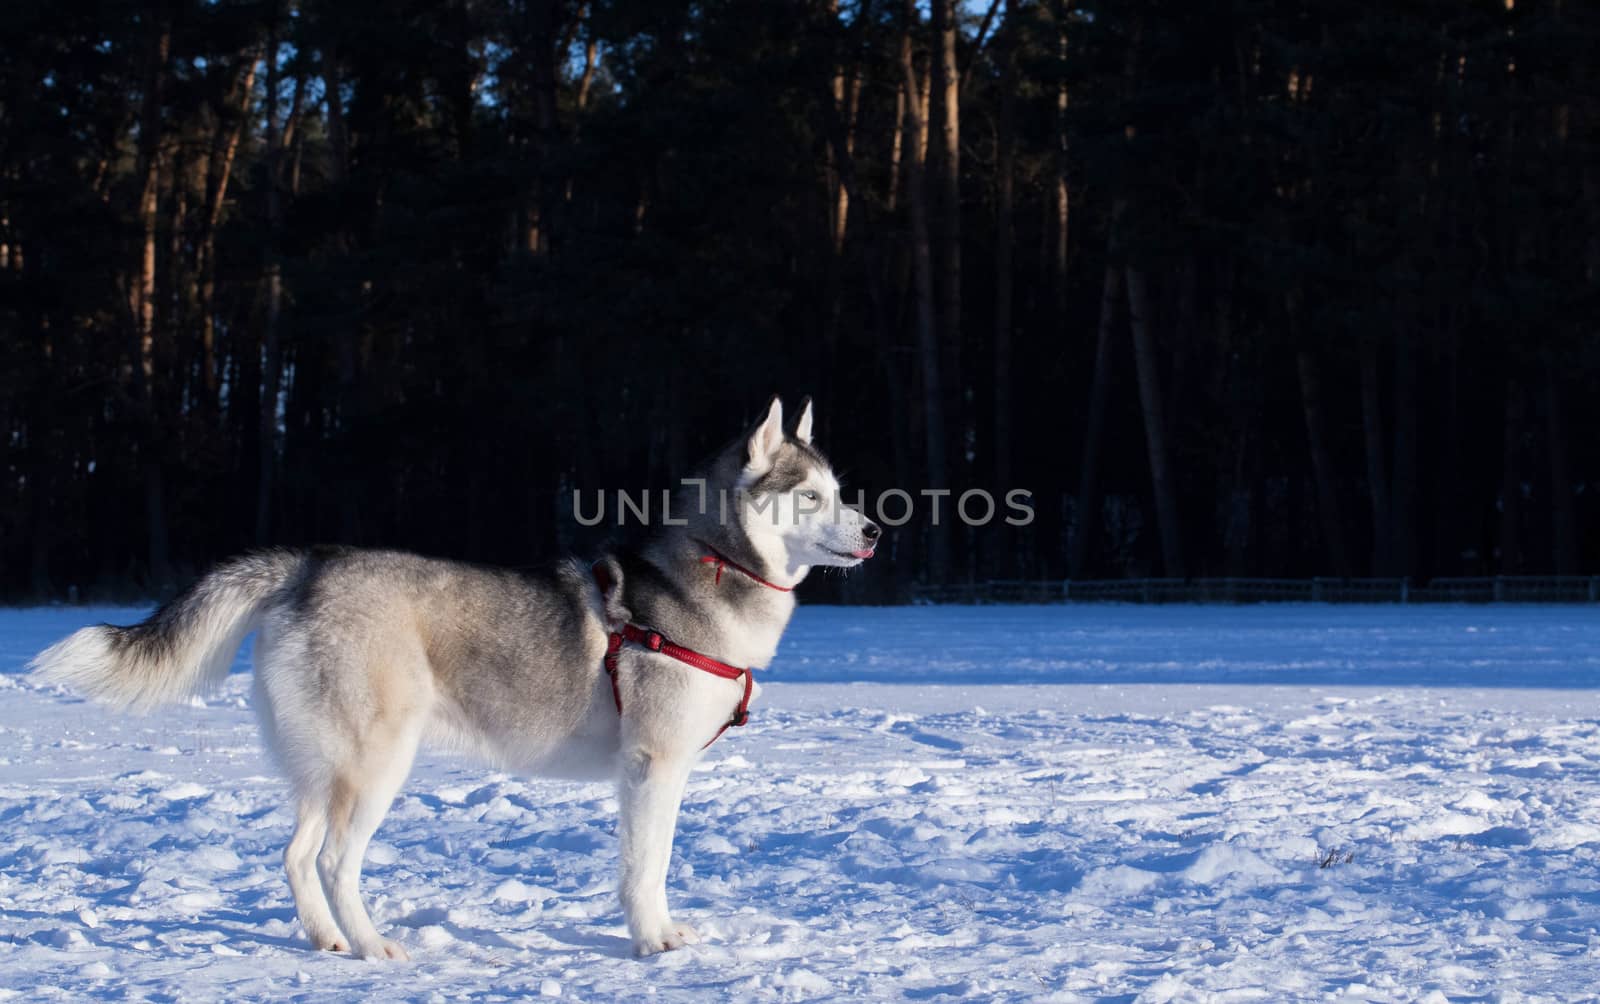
626, 669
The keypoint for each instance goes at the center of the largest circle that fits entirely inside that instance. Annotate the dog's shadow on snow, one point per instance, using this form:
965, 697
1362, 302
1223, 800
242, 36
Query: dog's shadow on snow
586, 939
238, 930
434, 916
577, 938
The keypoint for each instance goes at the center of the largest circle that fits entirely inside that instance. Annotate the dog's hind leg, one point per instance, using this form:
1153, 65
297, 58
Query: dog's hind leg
306, 771
300, 861
359, 801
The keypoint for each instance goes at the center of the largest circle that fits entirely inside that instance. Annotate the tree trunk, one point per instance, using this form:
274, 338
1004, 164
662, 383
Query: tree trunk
927, 335
37, 436
148, 170
1377, 466
347, 335
143, 297
1322, 468
1239, 482
231, 121
1403, 487
946, 166
1448, 519
333, 104
1511, 484
1563, 513
845, 88
41, 532
1062, 193
1184, 333
1144, 353
946, 76
1005, 169
289, 167
272, 279
545, 17
896, 142
842, 107
177, 183
580, 98
925, 95
1088, 508
591, 62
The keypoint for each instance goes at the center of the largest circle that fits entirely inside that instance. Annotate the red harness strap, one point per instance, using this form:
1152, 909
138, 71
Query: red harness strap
655, 642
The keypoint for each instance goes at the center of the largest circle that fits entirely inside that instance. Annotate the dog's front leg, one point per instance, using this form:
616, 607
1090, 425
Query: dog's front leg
650, 792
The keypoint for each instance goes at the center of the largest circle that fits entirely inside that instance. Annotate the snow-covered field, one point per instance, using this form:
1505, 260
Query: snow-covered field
1067, 803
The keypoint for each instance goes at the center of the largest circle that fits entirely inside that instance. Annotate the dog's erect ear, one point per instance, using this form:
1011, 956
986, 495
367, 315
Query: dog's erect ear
764, 442
802, 425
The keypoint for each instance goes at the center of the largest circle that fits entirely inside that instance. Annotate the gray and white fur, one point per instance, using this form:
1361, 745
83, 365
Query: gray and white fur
363, 655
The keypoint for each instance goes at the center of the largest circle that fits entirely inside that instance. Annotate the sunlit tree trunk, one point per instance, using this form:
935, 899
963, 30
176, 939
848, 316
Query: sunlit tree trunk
231, 121
143, 293
1005, 183
591, 62
896, 144
946, 169
148, 170
845, 89
927, 338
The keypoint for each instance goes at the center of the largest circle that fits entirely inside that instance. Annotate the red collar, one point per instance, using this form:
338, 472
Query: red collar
721, 560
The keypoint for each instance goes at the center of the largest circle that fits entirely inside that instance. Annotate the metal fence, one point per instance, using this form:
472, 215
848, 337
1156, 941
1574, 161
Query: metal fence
1479, 589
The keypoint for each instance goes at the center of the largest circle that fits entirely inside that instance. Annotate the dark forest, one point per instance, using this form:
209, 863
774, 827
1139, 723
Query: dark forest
1249, 288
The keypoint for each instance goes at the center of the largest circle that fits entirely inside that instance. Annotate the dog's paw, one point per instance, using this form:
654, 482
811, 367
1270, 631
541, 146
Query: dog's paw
383, 949
328, 941
671, 936
686, 935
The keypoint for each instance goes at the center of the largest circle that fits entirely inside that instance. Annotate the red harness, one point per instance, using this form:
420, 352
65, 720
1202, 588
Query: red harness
655, 641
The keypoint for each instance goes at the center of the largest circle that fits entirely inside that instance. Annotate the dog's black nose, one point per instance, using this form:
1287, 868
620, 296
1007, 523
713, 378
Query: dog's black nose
871, 530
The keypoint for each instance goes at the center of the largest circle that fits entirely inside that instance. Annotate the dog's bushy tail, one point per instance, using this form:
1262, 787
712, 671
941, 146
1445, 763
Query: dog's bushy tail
181, 650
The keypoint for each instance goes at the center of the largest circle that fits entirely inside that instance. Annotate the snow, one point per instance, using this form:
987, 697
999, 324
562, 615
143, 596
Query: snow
1024, 803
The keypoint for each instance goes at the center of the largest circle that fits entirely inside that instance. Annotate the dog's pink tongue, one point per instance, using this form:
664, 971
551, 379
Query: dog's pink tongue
864, 553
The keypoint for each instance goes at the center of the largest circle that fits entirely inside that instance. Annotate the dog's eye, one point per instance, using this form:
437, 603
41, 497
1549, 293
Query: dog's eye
809, 496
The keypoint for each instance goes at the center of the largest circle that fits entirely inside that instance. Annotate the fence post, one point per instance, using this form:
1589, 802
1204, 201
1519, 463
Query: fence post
1594, 588
1499, 588
1405, 589
1316, 590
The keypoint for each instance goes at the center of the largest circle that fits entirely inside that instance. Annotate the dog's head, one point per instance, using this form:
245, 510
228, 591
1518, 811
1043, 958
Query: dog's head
790, 505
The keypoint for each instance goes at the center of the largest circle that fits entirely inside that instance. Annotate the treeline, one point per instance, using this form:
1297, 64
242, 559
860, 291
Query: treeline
1239, 288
